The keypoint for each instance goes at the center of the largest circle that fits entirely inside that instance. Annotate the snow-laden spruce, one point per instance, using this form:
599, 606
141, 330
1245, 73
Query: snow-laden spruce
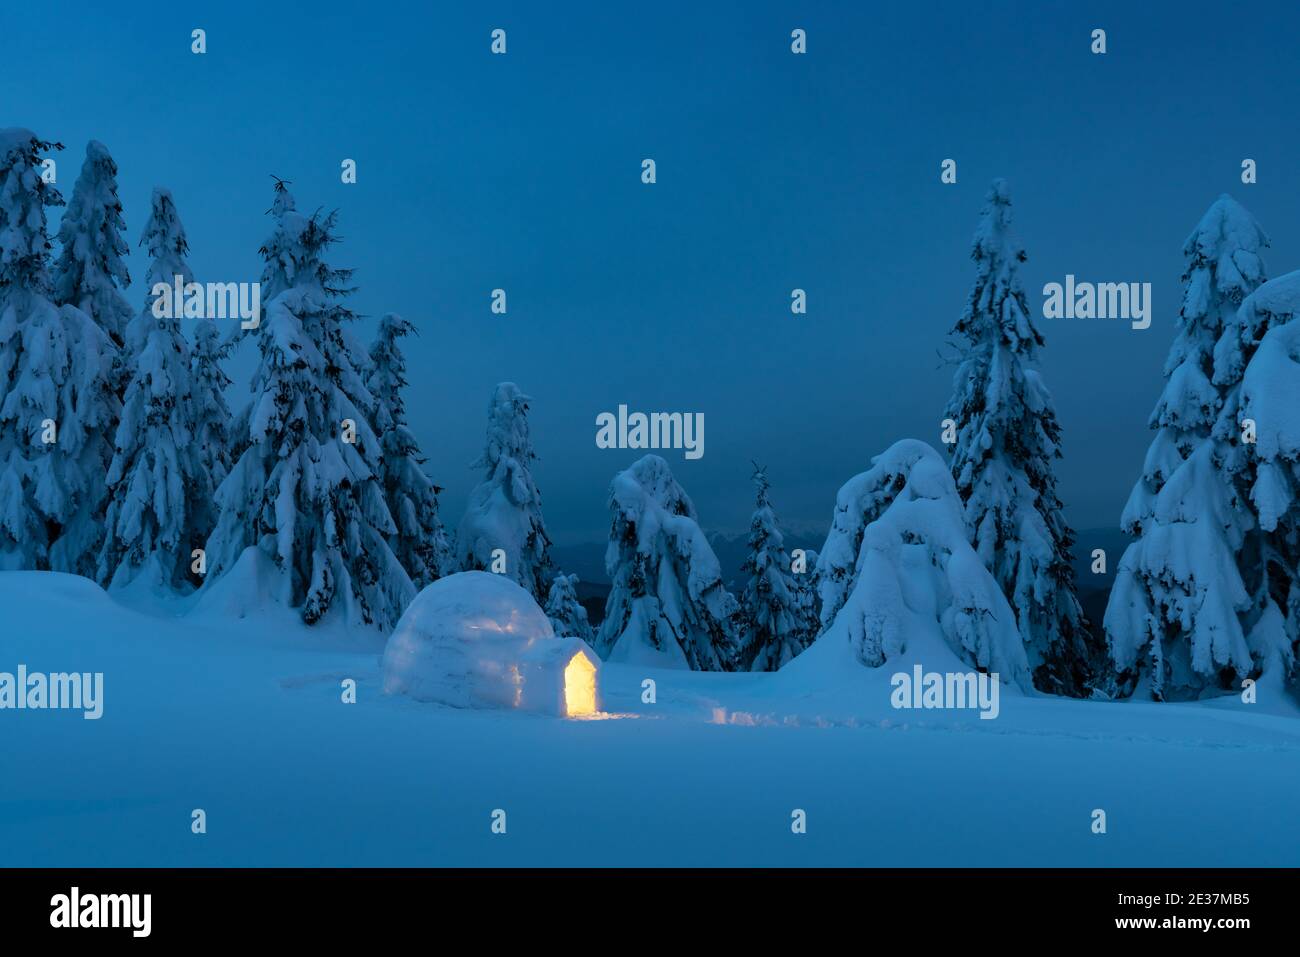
57, 392
212, 422
1181, 603
1223, 267
566, 613
281, 262
897, 565
808, 583
161, 491
305, 491
503, 519
1007, 439
1173, 619
420, 542
1208, 595
91, 268
777, 620
668, 605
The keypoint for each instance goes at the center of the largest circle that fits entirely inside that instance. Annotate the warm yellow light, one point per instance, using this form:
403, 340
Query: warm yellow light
579, 687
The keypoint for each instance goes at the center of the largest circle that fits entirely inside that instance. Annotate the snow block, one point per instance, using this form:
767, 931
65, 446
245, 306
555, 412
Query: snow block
478, 640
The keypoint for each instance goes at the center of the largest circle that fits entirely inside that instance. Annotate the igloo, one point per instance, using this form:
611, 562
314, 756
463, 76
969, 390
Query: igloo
478, 640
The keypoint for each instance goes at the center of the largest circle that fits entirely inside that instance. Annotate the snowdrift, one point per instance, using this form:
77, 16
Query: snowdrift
901, 585
247, 714
253, 586
478, 640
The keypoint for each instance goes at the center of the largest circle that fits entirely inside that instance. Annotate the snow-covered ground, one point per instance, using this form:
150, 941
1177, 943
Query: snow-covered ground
244, 718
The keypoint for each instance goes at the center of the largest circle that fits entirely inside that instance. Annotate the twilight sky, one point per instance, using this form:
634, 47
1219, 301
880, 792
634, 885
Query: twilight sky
775, 171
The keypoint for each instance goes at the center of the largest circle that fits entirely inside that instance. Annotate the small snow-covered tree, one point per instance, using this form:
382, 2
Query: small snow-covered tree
668, 604
503, 520
58, 398
1007, 440
305, 491
212, 422
160, 490
778, 624
566, 613
280, 253
420, 542
809, 594
91, 268
897, 568
1223, 267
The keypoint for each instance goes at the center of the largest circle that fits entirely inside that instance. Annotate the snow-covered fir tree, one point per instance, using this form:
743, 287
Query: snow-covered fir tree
89, 274
897, 570
91, 268
1007, 437
305, 491
25, 313
212, 422
420, 542
1208, 595
502, 530
1223, 267
160, 489
1266, 470
1180, 604
668, 604
809, 595
776, 612
58, 401
566, 613
279, 253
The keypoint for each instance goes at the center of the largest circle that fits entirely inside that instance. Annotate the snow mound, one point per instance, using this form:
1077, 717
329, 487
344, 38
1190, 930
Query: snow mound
479, 640
252, 586
50, 590
899, 578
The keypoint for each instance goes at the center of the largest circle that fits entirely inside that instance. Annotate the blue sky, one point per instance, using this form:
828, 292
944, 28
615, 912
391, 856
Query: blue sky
775, 171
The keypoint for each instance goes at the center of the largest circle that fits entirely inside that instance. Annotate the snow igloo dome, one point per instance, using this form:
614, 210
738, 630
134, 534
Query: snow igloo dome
478, 640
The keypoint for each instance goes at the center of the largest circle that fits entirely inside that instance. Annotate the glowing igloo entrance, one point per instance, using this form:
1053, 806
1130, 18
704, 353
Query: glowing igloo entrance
477, 640
579, 687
